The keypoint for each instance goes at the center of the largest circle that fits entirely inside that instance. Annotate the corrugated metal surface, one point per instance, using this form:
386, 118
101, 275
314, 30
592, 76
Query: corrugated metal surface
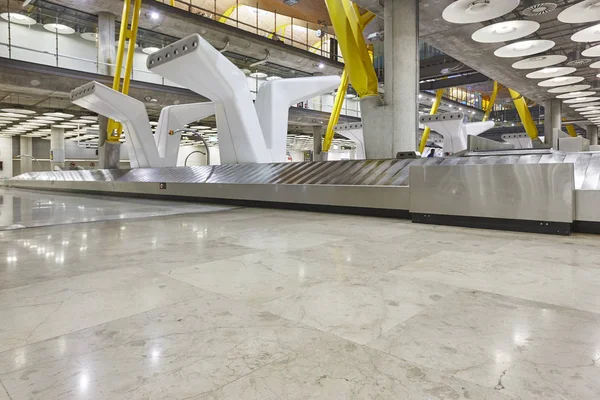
355, 172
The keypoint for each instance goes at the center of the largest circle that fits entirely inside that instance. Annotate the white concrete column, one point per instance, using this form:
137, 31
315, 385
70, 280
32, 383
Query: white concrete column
317, 143
393, 127
57, 148
401, 50
592, 134
108, 153
26, 153
552, 120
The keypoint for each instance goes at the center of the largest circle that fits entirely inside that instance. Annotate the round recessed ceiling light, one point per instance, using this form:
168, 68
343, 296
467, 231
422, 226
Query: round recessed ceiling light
11, 115
591, 34
91, 36
153, 123
524, 48
471, 11
573, 95
37, 122
505, 31
8, 119
551, 72
200, 127
587, 108
17, 111
150, 50
540, 62
561, 81
17, 18
570, 88
595, 103
595, 65
593, 51
591, 112
81, 121
258, 75
273, 78
64, 126
58, 115
90, 117
59, 28
581, 100
586, 11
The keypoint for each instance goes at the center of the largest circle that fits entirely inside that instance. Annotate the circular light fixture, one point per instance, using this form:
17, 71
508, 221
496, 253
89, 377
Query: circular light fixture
37, 122
258, 75
573, 95
539, 62
49, 120
17, 18
570, 88
91, 36
586, 11
593, 51
505, 31
81, 121
150, 50
595, 103
350, 96
11, 115
551, 72
274, 78
561, 81
200, 127
595, 65
581, 100
59, 28
31, 126
591, 112
591, 34
590, 108
58, 115
64, 126
17, 110
90, 117
10, 120
524, 48
471, 11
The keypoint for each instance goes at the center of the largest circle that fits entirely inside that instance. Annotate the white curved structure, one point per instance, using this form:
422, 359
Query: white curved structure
194, 63
247, 133
273, 101
145, 149
454, 130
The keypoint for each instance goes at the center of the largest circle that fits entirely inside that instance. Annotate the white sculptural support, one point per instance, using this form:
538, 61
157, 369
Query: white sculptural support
175, 117
273, 101
194, 63
128, 111
354, 132
145, 149
454, 130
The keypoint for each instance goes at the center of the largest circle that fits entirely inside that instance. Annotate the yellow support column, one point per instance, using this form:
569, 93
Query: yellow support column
130, 34
349, 25
524, 114
490, 105
434, 110
570, 129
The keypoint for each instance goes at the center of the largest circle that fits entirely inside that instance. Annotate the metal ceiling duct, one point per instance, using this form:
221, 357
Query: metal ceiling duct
534, 8
576, 59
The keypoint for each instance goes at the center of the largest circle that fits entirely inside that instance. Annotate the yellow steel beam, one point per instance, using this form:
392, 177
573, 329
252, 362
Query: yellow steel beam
125, 33
434, 110
348, 30
492, 101
570, 129
335, 112
524, 114
225, 17
281, 28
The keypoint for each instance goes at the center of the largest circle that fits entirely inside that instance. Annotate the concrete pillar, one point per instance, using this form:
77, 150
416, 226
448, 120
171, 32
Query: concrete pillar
318, 143
57, 148
401, 46
109, 153
392, 127
592, 134
26, 153
552, 120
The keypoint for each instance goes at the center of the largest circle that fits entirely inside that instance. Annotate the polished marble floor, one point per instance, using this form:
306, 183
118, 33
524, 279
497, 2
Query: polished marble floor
236, 303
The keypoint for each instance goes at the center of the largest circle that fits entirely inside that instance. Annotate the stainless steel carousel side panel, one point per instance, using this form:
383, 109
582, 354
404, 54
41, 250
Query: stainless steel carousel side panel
587, 205
535, 192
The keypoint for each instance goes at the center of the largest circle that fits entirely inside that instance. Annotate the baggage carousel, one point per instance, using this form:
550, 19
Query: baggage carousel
540, 191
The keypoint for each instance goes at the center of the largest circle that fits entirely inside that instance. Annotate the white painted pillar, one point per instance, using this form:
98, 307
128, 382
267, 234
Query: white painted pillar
57, 148
592, 134
26, 153
552, 120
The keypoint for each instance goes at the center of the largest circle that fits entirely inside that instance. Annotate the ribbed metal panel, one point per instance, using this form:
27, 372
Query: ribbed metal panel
356, 172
